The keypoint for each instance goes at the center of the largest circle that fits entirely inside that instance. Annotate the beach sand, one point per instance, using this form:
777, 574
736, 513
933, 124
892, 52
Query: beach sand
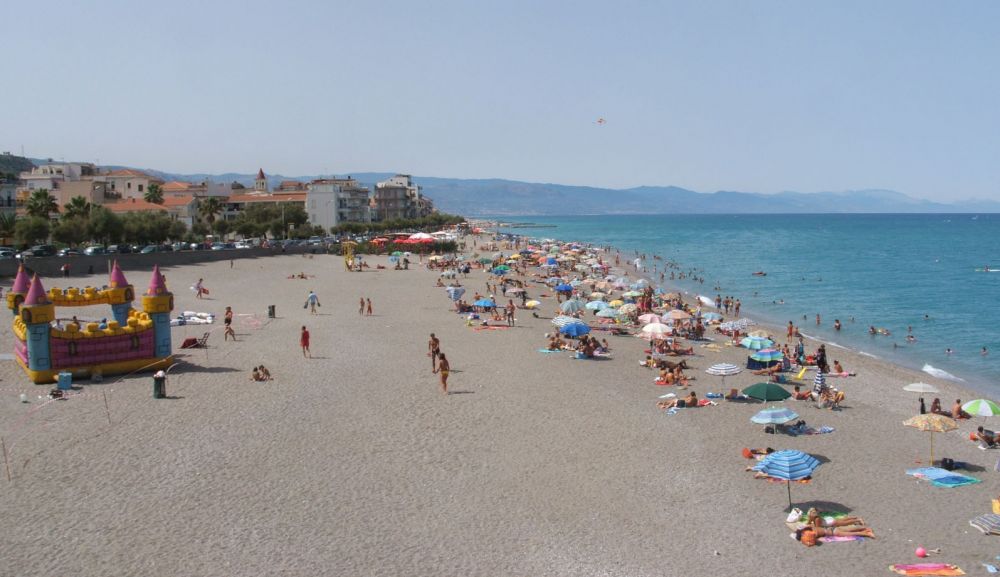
354, 463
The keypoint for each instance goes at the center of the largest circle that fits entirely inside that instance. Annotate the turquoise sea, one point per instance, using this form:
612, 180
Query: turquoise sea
884, 270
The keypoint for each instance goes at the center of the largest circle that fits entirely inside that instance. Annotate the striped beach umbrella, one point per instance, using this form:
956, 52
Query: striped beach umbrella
767, 355
756, 343
571, 306
981, 408
788, 466
774, 416
723, 370
455, 292
563, 320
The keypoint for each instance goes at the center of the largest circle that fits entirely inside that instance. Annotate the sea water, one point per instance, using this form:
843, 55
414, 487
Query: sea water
910, 274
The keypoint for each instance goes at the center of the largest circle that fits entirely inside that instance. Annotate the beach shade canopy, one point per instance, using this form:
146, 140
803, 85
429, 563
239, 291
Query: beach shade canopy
788, 466
921, 388
774, 416
485, 303
756, 343
616, 303
563, 288
571, 306
501, 267
597, 295
711, 316
678, 315
932, 423
766, 392
607, 313
627, 308
767, 355
655, 331
455, 292
723, 369
989, 523
576, 329
649, 318
531, 304
981, 408
513, 291
596, 305
485, 260
632, 294
563, 320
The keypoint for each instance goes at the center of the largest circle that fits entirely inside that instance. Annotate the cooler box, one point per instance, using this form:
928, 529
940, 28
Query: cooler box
65, 381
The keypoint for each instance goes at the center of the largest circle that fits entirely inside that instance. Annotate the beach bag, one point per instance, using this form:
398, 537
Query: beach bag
305, 305
948, 464
794, 516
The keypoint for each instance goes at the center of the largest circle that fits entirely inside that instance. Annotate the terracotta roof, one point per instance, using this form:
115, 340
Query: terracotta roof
129, 172
251, 198
180, 200
176, 186
132, 205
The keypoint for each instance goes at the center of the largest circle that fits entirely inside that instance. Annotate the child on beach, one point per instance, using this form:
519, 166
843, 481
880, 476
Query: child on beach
228, 321
304, 342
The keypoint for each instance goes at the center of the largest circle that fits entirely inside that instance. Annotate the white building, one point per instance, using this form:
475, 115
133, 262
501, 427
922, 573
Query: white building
332, 201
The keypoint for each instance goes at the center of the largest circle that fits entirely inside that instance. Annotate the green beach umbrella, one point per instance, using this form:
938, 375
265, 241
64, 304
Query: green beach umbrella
981, 408
766, 392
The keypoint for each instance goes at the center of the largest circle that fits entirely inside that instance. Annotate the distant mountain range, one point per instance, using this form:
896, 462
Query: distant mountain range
499, 197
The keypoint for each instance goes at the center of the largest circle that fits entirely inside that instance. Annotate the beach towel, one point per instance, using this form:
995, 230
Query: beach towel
926, 569
942, 477
796, 431
841, 538
548, 351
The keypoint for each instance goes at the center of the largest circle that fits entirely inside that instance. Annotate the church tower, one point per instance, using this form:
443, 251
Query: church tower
260, 185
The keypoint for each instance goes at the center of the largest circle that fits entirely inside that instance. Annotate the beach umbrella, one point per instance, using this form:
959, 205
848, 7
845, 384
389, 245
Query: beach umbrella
932, 423
616, 303
981, 408
485, 260
989, 523
632, 294
514, 257
571, 306
756, 343
575, 282
575, 329
531, 304
397, 253
921, 388
455, 292
485, 303
774, 416
767, 355
608, 313
649, 318
563, 288
502, 267
788, 466
563, 320
435, 258
655, 331
597, 295
766, 392
511, 292
723, 370
627, 308
711, 316
596, 305
678, 315
499, 271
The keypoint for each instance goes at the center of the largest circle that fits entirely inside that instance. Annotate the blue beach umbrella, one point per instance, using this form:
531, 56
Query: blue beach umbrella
455, 292
788, 466
499, 271
571, 306
607, 313
596, 305
774, 416
551, 261
563, 288
767, 355
756, 343
574, 329
485, 303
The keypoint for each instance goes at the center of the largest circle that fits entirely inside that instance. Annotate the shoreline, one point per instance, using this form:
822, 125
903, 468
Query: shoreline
979, 385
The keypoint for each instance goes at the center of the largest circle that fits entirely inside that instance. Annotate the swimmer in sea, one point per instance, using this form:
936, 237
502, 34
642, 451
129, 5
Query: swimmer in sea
836, 324
948, 351
984, 352
911, 339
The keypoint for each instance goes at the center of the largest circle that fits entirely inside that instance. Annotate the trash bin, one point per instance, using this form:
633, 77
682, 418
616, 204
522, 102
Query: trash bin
159, 386
65, 381
270, 311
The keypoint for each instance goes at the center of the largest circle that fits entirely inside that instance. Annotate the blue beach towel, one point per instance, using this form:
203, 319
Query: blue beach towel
942, 477
547, 351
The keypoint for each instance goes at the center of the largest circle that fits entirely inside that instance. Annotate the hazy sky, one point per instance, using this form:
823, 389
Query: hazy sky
755, 96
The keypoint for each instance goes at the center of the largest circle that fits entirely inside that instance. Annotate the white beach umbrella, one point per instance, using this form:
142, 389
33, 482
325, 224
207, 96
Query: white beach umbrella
921, 388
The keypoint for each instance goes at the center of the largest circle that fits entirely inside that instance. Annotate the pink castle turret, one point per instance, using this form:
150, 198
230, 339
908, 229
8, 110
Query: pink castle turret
117, 279
157, 284
20, 281
36, 294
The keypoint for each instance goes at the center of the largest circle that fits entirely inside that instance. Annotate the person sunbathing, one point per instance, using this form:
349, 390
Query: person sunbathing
255, 375
264, 373
799, 395
848, 531
957, 412
769, 370
813, 518
987, 439
690, 401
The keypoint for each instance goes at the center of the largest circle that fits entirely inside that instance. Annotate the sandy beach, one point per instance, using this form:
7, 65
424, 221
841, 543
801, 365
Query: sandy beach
353, 462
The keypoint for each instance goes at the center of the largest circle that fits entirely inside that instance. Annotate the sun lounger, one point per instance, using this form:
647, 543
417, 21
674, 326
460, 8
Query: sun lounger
193, 343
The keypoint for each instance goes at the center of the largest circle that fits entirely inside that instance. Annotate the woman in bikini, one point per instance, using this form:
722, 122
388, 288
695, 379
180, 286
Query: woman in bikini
444, 367
813, 518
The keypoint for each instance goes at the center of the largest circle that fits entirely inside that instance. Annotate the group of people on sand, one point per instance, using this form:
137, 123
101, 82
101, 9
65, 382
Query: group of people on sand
817, 525
586, 346
260, 373
439, 362
957, 412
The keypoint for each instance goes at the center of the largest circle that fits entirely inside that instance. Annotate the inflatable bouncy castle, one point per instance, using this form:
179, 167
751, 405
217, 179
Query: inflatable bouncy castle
130, 341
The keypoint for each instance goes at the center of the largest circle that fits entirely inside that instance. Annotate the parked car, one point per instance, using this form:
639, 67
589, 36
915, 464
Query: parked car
180, 246
69, 252
5, 254
149, 249
39, 250
92, 250
218, 246
242, 244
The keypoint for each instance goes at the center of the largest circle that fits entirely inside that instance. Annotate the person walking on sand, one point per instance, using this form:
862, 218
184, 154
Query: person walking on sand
199, 288
304, 342
228, 321
312, 301
361, 307
443, 369
368, 312
433, 350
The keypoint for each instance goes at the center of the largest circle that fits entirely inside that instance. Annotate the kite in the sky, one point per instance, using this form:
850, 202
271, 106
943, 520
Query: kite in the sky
601, 121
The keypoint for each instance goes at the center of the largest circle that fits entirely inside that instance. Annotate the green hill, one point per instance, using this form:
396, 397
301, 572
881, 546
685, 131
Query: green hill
11, 166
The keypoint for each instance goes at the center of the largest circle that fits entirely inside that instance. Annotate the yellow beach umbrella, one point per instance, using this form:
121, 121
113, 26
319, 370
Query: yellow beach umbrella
531, 304
616, 303
932, 423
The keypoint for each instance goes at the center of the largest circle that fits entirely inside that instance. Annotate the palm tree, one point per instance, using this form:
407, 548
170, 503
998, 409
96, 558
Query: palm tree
7, 222
210, 208
41, 204
153, 194
77, 206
